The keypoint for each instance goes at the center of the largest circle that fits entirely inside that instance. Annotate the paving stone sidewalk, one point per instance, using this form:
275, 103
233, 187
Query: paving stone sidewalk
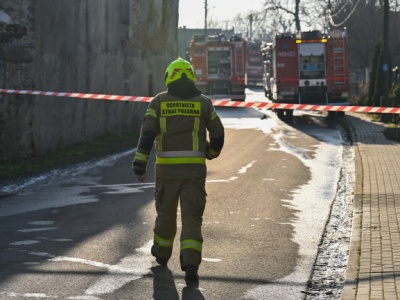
374, 261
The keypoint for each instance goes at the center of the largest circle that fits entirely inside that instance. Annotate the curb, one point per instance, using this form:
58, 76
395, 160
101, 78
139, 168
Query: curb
351, 281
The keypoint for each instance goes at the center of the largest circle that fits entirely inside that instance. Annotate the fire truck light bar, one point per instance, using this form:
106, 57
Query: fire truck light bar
312, 41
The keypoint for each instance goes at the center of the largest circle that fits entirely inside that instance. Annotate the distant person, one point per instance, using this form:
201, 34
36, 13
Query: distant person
179, 120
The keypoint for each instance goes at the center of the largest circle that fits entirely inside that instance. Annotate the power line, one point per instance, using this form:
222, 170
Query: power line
338, 12
344, 21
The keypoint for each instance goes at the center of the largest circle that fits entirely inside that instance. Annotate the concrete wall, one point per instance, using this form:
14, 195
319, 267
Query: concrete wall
95, 46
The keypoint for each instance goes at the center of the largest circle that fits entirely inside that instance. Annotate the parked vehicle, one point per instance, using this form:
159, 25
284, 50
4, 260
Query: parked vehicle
220, 65
307, 68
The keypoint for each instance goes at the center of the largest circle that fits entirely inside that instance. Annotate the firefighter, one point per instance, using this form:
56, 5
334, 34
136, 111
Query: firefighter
179, 119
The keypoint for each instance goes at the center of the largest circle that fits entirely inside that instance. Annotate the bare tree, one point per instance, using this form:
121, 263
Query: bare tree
253, 24
282, 8
363, 19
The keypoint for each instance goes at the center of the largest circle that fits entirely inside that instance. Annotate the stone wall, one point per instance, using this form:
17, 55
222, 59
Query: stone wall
94, 46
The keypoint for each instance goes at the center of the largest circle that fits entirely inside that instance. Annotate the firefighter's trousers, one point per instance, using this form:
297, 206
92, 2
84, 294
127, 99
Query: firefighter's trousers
192, 196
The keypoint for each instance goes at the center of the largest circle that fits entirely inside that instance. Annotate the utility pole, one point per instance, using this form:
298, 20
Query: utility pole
327, 16
385, 100
251, 27
385, 49
205, 17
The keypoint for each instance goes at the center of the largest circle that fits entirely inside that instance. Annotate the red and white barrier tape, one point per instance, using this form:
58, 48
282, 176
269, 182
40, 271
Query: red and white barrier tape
220, 102
77, 95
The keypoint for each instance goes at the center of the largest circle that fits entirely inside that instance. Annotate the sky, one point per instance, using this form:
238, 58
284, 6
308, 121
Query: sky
191, 12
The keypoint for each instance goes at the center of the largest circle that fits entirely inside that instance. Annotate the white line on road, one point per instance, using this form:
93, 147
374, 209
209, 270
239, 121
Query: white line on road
248, 166
23, 243
129, 268
37, 229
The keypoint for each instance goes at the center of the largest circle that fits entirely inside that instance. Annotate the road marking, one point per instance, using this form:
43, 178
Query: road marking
241, 171
37, 229
217, 180
23, 243
211, 259
28, 295
84, 298
124, 188
129, 268
245, 168
54, 240
44, 223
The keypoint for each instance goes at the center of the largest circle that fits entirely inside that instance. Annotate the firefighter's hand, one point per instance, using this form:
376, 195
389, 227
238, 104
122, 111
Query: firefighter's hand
140, 171
211, 153
141, 178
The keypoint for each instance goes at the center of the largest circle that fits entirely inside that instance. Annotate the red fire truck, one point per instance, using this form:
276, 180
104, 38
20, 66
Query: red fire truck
308, 68
220, 65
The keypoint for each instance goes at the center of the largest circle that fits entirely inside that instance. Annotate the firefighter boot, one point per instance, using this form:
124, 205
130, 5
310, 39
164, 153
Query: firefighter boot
159, 260
191, 274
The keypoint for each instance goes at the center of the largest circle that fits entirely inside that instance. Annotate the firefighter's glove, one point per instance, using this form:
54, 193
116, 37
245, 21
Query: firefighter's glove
138, 168
140, 171
211, 153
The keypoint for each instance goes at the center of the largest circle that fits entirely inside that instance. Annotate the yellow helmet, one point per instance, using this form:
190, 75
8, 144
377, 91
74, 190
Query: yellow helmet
177, 69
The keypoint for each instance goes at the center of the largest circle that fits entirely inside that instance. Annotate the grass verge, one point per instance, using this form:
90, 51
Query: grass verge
78, 153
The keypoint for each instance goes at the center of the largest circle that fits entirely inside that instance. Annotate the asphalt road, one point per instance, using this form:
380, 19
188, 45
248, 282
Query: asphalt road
86, 234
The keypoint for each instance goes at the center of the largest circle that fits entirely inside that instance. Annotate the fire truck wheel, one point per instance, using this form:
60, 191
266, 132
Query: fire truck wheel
280, 113
289, 115
334, 114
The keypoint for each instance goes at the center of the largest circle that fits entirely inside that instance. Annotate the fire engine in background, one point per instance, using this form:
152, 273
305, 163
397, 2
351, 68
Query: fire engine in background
307, 68
254, 65
220, 65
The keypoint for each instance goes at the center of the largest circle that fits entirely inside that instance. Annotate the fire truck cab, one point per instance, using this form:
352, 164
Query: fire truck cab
220, 65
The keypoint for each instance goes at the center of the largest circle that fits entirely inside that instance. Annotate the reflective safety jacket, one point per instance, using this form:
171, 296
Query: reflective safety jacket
180, 128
